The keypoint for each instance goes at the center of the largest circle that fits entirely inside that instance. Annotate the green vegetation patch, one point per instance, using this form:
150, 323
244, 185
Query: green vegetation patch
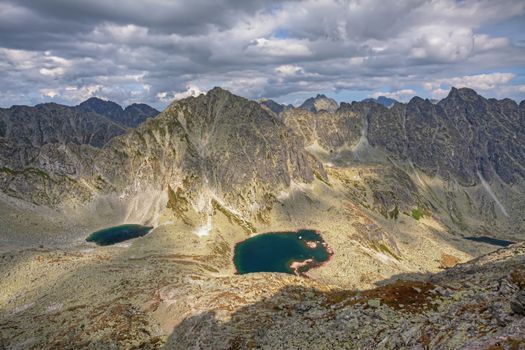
417, 213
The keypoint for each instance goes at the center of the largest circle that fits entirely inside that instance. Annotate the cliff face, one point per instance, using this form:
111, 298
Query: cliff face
461, 137
45, 149
465, 154
214, 146
331, 130
223, 148
52, 123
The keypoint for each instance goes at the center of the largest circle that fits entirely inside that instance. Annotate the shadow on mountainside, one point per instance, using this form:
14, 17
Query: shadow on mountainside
299, 317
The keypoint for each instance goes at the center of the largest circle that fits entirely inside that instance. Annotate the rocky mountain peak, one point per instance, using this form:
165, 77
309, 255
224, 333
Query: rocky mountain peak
218, 145
132, 116
100, 106
320, 103
273, 106
463, 93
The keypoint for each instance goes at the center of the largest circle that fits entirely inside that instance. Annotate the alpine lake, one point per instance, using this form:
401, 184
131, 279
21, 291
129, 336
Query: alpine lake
286, 252
117, 234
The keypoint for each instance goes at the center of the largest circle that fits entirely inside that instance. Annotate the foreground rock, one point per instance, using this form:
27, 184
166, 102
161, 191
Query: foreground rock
116, 298
465, 307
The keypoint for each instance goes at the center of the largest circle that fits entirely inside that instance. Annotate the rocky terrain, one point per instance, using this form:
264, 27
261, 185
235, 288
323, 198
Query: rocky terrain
477, 305
44, 148
394, 192
465, 142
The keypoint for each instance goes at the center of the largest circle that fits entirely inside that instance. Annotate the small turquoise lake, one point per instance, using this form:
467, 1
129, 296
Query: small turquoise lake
117, 234
287, 252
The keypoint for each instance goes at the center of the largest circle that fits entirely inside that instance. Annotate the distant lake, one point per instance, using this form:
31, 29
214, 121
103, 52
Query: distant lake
490, 240
116, 234
287, 252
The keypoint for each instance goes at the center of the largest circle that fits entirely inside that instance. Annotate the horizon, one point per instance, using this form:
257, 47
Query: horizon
261, 99
154, 52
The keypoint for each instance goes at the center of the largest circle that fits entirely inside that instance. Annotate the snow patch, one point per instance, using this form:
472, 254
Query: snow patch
204, 230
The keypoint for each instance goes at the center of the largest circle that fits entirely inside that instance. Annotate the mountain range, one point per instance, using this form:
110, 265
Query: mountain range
399, 192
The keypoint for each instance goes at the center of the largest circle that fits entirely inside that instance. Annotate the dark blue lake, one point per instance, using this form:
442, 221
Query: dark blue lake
490, 240
116, 234
288, 252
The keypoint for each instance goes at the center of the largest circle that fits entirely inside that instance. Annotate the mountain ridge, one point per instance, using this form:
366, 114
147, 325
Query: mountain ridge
400, 195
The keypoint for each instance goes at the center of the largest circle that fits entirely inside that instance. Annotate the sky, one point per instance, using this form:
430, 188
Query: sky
156, 51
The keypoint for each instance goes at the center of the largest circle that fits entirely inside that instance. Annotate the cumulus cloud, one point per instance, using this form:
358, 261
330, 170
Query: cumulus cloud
278, 47
288, 69
477, 82
400, 95
191, 91
155, 51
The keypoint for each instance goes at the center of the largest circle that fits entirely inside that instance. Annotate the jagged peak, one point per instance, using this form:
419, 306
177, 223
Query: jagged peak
318, 103
141, 106
419, 100
463, 93
96, 102
217, 90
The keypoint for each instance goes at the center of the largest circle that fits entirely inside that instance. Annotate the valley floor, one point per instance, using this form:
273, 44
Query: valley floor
392, 283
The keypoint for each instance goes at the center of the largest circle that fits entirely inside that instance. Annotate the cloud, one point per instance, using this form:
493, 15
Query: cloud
151, 51
278, 47
191, 91
289, 70
477, 82
400, 95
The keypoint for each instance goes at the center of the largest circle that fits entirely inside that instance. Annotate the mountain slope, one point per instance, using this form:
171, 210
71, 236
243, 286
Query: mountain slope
218, 146
216, 143
131, 116
465, 153
385, 188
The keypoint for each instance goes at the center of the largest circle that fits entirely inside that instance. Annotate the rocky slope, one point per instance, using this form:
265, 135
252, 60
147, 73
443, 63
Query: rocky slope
164, 292
217, 147
470, 148
478, 305
44, 148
